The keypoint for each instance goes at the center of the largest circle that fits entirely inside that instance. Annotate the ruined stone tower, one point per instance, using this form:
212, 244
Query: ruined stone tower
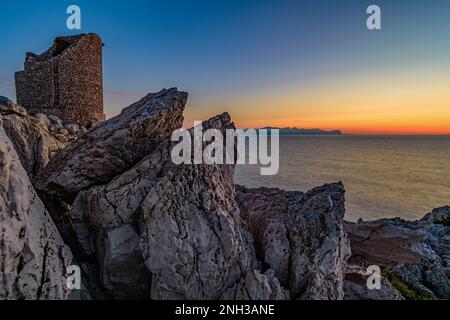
65, 81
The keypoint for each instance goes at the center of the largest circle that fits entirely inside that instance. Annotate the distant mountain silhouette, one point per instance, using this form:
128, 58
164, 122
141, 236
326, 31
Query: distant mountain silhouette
294, 130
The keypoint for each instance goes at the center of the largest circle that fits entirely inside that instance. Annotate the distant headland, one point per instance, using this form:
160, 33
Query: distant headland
315, 131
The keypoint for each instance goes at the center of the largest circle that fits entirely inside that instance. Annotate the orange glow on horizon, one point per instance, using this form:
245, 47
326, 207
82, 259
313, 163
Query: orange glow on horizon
412, 102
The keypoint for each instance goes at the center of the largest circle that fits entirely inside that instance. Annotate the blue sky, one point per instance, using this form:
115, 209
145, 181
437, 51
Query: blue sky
229, 54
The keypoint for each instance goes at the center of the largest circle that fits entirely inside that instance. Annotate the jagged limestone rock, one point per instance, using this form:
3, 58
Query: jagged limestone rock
33, 256
32, 140
185, 223
107, 150
300, 236
113, 146
194, 241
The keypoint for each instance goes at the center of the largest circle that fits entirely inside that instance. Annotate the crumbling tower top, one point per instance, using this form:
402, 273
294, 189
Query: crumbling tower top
65, 81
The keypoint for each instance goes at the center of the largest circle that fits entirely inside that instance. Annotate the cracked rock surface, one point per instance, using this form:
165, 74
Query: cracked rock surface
113, 146
32, 140
106, 151
33, 256
300, 236
183, 224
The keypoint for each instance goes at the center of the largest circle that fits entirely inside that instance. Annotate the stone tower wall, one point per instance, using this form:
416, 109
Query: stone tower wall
65, 81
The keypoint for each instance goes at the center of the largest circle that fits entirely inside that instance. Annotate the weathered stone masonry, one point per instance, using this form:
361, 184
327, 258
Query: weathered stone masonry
65, 81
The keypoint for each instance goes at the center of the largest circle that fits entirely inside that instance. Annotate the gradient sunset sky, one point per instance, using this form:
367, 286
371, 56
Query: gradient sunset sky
269, 63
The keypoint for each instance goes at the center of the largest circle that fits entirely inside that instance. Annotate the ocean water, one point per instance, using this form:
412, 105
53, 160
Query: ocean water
384, 176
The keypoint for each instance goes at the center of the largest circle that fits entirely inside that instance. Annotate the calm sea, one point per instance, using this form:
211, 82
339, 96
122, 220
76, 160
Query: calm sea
384, 176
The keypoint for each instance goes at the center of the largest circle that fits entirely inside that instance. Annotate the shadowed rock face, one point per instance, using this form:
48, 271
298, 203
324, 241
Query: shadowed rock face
33, 256
300, 236
383, 243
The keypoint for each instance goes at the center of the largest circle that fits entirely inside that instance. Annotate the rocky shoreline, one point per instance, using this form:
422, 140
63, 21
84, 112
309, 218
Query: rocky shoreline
110, 200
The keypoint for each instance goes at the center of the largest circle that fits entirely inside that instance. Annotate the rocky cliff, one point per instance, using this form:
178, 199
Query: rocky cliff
111, 201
